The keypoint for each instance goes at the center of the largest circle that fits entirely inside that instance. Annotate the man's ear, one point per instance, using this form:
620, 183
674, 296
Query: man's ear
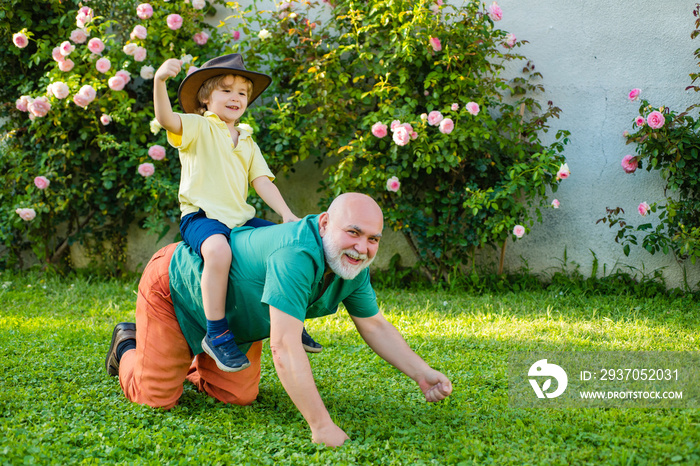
323, 224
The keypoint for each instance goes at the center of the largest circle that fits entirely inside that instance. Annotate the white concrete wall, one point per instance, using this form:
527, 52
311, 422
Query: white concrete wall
591, 53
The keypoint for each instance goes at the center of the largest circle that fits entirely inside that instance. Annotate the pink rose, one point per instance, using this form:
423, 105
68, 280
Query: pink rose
147, 72
56, 54
146, 169
78, 36
394, 124
639, 121
105, 119
85, 96
116, 83
510, 40
41, 182
96, 45
401, 136
495, 12
88, 91
20, 40
174, 21
130, 48
473, 108
629, 163
23, 102
26, 214
393, 184
555, 203
434, 118
408, 127
236, 35
656, 119
144, 11
103, 65
39, 107
414, 135
435, 8
446, 126
84, 16
643, 209
156, 152
625, 134
634, 94
379, 129
455, 107
563, 172
140, 54
81, 100
139, 32
66, 48
200, 38
59, 89
124, 74
435, 44
519, 230
198, 4
66, 65
191, 70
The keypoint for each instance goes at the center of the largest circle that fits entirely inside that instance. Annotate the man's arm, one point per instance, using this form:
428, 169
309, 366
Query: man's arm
269, 193
294, 371
388, 343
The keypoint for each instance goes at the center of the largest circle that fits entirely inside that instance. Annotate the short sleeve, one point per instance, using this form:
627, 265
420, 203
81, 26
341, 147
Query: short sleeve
289, 281
362, 302
190, 129
258, 165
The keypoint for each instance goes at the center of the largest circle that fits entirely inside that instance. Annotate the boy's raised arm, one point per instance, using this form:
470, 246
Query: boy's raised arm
161, 102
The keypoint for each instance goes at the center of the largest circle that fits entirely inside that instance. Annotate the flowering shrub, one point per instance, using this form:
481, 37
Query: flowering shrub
406, 99
670, 143
79, 156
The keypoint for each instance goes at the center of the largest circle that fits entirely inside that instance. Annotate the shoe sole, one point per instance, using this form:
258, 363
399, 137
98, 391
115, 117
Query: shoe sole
221, 366
311, 349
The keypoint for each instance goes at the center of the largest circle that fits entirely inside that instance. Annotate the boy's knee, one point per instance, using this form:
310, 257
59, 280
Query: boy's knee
216, 249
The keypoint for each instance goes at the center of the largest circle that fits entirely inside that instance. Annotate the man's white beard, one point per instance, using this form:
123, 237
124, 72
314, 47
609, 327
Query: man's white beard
334, 259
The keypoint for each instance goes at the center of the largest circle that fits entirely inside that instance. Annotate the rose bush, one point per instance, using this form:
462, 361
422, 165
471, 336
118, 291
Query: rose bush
669, 143
75, 161
465, 146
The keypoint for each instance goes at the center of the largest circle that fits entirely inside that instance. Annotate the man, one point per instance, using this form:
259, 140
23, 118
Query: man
279, 276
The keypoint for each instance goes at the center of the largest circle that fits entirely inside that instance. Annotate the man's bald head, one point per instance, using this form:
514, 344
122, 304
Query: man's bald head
351, 206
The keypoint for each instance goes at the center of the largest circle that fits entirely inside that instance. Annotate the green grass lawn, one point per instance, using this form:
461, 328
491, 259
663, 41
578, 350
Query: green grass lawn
58, 406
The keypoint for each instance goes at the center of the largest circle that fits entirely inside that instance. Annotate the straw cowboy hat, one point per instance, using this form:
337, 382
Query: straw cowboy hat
226, 64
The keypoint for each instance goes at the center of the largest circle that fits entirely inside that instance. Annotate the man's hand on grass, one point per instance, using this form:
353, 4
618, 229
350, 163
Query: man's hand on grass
435, 386
331, 435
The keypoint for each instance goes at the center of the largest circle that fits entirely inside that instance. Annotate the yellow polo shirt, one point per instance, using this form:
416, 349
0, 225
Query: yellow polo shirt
215, 174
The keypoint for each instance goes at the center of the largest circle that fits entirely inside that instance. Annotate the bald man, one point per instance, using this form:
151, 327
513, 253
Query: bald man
280, 275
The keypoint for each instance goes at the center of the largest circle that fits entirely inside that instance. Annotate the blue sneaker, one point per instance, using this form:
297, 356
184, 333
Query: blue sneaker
309, 344
227, 356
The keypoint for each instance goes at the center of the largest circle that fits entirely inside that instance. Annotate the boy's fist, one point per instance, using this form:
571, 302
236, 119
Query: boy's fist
169, 69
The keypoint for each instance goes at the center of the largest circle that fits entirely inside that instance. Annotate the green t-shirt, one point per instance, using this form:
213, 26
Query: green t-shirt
280, 266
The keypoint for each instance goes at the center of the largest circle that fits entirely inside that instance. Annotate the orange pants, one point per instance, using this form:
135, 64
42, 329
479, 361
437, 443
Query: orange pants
154, 373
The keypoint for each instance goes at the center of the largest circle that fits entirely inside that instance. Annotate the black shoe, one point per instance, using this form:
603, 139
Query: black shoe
122, 331
227, 356
309, 343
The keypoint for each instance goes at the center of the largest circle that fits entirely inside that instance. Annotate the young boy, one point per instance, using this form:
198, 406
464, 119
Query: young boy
219, 161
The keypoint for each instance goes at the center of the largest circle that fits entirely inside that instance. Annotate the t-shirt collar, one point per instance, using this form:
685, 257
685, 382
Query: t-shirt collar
243, 133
